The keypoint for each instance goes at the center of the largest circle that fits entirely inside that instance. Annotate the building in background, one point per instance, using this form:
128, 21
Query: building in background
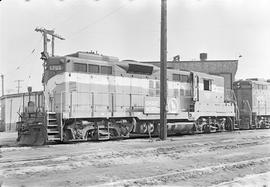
13, 104
224, 68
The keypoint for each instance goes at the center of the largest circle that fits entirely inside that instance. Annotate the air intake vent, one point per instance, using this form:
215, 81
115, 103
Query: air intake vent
140, 69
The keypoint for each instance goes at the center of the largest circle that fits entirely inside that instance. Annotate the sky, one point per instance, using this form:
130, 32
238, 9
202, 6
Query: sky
130, 29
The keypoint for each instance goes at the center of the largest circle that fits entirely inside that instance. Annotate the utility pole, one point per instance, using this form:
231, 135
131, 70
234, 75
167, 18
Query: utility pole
2, 77
45, 54
45, 33
19, 84
163, 71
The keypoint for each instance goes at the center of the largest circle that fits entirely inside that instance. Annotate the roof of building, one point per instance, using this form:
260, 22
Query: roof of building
206, 66
18, 95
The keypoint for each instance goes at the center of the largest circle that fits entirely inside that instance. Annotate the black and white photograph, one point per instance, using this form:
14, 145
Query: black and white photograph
126, 93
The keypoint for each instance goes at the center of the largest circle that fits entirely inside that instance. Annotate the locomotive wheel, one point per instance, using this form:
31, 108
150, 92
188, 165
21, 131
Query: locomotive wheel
113, 132
229, 124
264, 126
150, 127
67, 135
143, 128
206, 128
129, 127
37, 136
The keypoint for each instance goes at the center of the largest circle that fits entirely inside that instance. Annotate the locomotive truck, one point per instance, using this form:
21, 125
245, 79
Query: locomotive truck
89, 96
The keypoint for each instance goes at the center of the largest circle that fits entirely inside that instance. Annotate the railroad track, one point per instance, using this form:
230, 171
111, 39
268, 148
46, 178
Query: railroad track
183, 160
182, 175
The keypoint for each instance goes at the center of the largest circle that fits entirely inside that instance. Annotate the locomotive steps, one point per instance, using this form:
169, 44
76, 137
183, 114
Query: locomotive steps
52, 127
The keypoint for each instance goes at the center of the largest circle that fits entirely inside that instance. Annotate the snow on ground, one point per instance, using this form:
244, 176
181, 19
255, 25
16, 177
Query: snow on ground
8, 139
240, 158
261, 179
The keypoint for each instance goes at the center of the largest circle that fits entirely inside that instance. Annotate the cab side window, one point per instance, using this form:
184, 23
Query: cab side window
207, 85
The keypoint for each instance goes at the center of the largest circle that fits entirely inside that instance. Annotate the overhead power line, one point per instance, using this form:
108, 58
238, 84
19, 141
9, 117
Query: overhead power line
100, 19
23, 61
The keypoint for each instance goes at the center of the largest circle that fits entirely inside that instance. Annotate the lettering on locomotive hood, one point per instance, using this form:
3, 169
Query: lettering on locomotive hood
152, 106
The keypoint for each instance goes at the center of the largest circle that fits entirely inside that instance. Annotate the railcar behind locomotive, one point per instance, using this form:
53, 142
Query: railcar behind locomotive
93, 97
253, 101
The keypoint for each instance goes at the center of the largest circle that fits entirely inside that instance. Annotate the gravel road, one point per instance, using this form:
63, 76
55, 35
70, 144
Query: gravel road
240, 158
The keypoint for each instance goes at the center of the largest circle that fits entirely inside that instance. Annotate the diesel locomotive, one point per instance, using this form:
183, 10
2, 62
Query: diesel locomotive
89, 96
253, 102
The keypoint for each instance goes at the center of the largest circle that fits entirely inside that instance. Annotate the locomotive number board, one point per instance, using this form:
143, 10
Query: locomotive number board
56, 67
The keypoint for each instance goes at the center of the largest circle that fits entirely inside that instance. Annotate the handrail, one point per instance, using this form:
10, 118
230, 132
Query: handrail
61, 118
248, 105
236, 106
